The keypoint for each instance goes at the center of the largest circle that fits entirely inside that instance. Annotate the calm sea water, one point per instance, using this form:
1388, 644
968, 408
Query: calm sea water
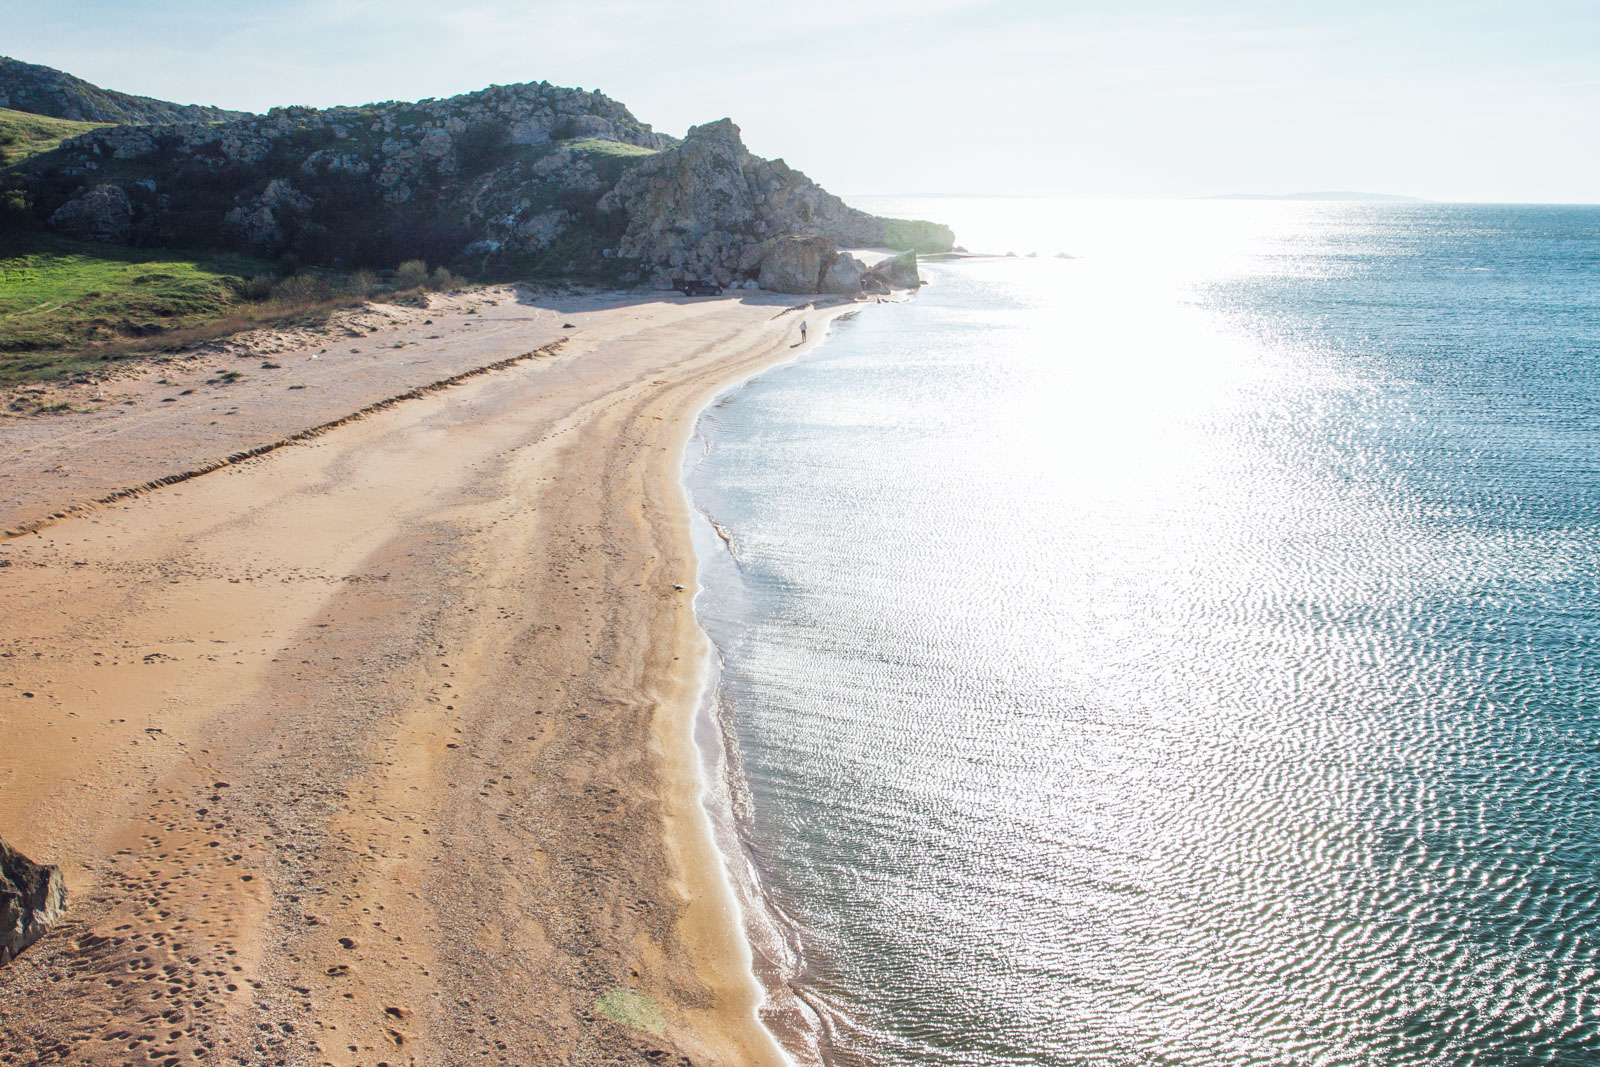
1187, 653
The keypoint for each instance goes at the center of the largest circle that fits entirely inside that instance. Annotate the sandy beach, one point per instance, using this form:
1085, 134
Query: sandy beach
376, 748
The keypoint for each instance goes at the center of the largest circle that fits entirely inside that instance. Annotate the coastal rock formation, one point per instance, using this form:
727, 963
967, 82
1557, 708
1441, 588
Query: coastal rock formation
708, 208
844, 274
47, 91
796, 264
362, 186
513, 180
32, 897
899, 272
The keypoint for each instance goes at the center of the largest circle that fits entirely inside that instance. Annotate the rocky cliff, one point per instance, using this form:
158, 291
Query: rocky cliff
47, 91
708, 208
521, 179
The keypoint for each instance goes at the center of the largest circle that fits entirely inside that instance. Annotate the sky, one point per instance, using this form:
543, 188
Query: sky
1466, 100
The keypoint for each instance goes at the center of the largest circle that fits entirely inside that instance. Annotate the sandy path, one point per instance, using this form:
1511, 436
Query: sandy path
377, 749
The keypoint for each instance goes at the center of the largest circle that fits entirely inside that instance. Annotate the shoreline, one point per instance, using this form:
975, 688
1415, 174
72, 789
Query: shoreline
384, 743
773, 947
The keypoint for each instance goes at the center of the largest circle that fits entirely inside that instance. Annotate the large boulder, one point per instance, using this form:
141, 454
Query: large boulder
32, 898
842, 277
899, 272
795, 264
104, 213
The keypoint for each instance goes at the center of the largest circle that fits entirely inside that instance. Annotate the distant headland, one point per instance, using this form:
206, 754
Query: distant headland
1345, 195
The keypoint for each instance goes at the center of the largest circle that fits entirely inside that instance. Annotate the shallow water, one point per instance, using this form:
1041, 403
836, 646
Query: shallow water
1185, 653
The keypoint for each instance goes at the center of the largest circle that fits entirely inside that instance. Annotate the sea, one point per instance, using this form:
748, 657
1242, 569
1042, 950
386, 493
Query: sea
1185, 652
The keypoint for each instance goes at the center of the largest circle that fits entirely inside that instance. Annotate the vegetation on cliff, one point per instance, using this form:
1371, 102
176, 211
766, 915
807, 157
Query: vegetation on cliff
23, 135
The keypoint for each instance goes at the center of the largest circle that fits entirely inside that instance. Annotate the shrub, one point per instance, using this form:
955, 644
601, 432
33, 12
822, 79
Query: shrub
302, 289
362, 283
411, 274
442, 279
257, 288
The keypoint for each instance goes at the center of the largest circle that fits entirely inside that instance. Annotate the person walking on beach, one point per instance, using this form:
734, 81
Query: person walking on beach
802, 331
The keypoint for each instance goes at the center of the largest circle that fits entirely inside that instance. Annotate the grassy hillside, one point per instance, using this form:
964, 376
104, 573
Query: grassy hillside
23, 135
46, 91
69, 306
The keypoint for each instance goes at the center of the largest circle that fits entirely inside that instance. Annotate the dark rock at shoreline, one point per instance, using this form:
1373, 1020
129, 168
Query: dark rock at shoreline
900, 272
843, 276
32, 898
795, 264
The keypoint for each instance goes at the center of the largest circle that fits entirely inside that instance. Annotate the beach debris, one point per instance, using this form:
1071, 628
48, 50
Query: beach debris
568, 326
32, 898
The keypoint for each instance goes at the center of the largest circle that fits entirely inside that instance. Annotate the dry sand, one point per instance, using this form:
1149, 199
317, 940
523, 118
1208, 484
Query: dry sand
377, 748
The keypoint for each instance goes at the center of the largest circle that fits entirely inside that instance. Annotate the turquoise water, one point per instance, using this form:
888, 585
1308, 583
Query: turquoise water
1185, 653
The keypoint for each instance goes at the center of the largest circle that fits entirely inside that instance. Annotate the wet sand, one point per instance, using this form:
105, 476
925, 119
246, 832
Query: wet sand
377, 748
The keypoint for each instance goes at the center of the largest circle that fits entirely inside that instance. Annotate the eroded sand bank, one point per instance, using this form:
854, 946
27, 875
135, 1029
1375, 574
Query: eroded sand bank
376, 749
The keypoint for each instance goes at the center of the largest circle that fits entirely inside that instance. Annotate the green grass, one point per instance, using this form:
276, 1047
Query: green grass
23, 135
67, 306
605, 148
608, 158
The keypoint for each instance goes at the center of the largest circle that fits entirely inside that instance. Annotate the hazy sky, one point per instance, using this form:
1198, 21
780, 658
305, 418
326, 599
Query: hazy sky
1465, 100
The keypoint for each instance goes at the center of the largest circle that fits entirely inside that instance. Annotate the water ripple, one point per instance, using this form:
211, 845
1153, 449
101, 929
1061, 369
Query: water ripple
1204, 676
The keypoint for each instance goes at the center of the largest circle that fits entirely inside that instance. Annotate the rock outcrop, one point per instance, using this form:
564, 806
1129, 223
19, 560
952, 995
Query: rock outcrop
795, 264
899, 272
47, 91
101, 213
843, 276
513, 180
708, 208
32, 898
503, 169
